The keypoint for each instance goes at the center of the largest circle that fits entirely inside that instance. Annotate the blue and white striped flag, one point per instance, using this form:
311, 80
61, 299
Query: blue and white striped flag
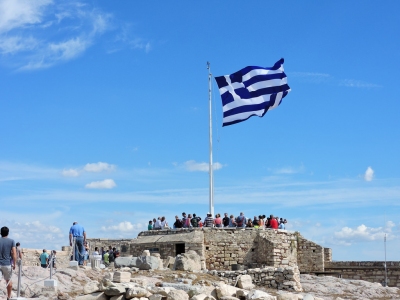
252, 91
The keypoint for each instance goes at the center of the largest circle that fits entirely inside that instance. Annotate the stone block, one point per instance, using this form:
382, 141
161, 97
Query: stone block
122, 277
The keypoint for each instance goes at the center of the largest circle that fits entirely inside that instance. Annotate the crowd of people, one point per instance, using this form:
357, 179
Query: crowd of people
192, 220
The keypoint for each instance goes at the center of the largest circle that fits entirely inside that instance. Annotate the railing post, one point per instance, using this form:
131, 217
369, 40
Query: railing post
19, 261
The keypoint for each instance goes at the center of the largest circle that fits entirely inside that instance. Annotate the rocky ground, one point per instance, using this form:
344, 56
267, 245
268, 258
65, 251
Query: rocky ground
131, 283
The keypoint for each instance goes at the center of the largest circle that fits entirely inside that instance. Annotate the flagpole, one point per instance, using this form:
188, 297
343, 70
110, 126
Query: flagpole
211, 188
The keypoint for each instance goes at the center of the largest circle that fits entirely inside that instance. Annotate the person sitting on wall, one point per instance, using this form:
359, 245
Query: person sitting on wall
261, 221
255, 222
150, 226
209, 221
218, 221
225, 220
249, 223
157, 224
178, 223
281, 225
188, 221
241, 220
268, 223
184, 219
273, 222
232, 221
164, 223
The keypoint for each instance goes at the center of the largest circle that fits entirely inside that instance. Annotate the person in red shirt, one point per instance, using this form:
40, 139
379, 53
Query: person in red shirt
273, 222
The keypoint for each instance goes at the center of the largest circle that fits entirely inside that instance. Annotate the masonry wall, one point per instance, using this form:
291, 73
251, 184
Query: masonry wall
310, 256
287, 278
372, 271
30, 257
123, 245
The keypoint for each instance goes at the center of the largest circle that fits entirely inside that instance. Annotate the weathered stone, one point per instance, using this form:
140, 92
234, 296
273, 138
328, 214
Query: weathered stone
147, 263
228, 298
129, 262
91, 287
146, 253
288, 296
177, 295
122, 277
245, 282
189, 261
225, 290
308, 297
156, 297
115, 290
259, 295
137, 292
120, 297
160, 290
94, 296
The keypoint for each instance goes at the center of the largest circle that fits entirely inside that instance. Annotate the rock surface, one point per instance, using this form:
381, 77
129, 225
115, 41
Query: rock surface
189, 261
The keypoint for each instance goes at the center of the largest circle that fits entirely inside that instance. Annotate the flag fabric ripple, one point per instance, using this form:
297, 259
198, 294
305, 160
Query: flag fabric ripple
252, 91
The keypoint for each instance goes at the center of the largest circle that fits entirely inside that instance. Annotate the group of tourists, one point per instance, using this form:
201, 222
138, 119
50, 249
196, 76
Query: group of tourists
192, 220
46, 260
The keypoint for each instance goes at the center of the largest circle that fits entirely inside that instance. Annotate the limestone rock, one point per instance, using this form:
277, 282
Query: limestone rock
129, 262
120, 297
288, 296
137, 292
147, 263
245, 282
177, 295
259, 295
189, 261
146, 253
115, 290
91, 287
202, 297
156, 297
169, 262
160, 290
241, 294
122, 277
229, 298
308, 297
225, 290
94, 296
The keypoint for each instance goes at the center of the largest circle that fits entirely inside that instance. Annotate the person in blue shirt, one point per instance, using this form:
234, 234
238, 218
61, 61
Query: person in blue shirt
78, 233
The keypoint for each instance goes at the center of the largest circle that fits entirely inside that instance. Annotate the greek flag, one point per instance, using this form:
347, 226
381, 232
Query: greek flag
252, 91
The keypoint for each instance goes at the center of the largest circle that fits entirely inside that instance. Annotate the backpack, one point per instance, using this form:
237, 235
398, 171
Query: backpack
239, 222
194, 222
111, 257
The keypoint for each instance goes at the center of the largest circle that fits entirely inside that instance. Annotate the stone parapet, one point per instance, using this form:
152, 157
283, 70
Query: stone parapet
30, 257
372, 271
287, 278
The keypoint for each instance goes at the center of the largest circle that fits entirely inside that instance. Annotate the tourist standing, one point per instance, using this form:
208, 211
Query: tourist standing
225, 220
184, 219
164, 223
178, 223
7, 252
78, 233
44, 258
218, 220
232, 221
241, 220
150, 226
273, 223
195, 221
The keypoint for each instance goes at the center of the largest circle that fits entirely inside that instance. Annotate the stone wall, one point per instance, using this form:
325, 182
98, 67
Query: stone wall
30, 257
310, 256
372, 271
123, 245
287, 278
327, 255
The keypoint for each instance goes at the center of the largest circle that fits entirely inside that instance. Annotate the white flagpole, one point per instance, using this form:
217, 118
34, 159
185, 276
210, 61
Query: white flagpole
211, 192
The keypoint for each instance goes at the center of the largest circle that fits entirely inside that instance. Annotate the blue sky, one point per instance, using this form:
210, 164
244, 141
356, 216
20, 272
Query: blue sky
104, 118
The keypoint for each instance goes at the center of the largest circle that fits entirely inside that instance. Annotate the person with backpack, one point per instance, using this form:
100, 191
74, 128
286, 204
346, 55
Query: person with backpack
195, 221
241, 220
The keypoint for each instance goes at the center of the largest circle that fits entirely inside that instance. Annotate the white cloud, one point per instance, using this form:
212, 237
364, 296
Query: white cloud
70, 173
99, 167
28, 232
358, 84
21, 13
289, 170
369, 174
36, 31
104, 184
194, 166
125, 226
363, 233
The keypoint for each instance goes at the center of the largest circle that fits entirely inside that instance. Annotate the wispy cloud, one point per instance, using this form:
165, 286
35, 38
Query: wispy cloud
99, 167
358, 84
369, 174
104, 184
193, 166
289, 170
70, 173
123, 227
37, 34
